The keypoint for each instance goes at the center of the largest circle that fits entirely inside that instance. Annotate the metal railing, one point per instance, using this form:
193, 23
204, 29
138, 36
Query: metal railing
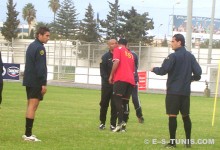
63, 57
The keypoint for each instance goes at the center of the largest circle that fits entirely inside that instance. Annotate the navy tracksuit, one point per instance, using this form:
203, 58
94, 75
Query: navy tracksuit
180, 66
35, 73
135, 98
134, 94
1, 79
107, 89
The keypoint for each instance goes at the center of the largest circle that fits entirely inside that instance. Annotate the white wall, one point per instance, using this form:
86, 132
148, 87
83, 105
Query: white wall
87, 75
153, 81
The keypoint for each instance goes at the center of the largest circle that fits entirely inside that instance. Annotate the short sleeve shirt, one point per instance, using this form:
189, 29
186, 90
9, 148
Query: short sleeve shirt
125, 70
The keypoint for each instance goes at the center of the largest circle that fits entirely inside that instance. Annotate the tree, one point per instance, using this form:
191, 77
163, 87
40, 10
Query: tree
88, 27
29, 14
164, 42
136, 25
54, 5
10, 27
111, 25
53, 34
66, 23
31, 36
41, 24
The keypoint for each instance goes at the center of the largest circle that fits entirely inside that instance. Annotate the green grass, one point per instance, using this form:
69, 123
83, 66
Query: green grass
68, 119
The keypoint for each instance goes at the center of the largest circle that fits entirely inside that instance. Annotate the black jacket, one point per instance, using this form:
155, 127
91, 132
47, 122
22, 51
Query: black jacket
1, 68
136, 78
35, 73
106, 67
182, 69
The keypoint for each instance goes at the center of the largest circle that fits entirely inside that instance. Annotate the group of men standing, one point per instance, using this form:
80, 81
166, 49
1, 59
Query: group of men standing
118, 71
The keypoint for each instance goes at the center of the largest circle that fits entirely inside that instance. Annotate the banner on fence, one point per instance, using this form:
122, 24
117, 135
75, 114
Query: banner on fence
11, 71
142, 85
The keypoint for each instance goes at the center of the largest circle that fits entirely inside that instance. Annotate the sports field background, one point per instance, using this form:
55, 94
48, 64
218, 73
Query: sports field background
68, 119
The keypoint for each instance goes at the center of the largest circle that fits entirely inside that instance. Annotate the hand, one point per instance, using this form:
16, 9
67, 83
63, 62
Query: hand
43, 90
151, 69
110, 80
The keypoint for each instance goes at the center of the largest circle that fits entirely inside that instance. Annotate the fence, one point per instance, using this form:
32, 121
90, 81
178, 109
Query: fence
78, 62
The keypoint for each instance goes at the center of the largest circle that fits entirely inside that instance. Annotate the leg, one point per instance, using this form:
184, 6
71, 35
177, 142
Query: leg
172, 109
184, 109
1, 88
113, 112
126, 110
137, 104
187, 128
106, 93
122, 91
32, 106
34, 97
119, 108
172, 128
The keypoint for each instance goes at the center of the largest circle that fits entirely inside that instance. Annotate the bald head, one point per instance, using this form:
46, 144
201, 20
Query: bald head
112, 43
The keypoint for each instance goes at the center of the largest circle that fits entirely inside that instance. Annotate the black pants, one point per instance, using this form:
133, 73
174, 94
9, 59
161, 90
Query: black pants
106, 97
136, 102
1, 88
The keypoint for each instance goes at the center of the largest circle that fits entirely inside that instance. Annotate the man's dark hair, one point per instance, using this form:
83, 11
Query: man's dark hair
42, 31
180, 37
123, 42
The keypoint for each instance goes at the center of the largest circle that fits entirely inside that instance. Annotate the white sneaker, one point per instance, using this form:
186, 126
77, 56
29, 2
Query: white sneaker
119, 127
30, 138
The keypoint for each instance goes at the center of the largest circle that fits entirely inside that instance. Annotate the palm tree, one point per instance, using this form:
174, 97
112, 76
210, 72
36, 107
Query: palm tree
54, 5
29, 14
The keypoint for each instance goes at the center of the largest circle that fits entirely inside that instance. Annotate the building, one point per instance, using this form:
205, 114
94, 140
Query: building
23, 30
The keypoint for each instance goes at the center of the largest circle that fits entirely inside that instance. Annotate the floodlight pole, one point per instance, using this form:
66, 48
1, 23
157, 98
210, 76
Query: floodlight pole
211, 33
189, 25
178, 2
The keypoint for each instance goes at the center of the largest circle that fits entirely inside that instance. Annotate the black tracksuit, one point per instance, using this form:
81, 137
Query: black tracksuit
35, 73
107, 89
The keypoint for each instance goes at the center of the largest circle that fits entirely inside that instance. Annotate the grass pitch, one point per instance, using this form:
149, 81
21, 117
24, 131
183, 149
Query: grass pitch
68, 119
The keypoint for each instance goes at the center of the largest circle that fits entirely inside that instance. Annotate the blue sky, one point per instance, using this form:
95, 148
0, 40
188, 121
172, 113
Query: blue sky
159, 10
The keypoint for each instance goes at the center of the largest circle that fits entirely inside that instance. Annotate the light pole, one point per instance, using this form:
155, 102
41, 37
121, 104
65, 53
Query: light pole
211, 32
189, 25
177, 2
22, 36
158, 34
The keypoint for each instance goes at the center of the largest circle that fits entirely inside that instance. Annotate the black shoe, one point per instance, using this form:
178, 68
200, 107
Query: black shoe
141, 120
102, 126
112, 127
123, 128
169, 145
187, 145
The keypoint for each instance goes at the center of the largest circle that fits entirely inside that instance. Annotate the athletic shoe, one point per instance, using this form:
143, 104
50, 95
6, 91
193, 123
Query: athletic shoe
169, 146
123, 128
119, 127
102, 126
112, 127
32, 138
141, 120
187, 145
